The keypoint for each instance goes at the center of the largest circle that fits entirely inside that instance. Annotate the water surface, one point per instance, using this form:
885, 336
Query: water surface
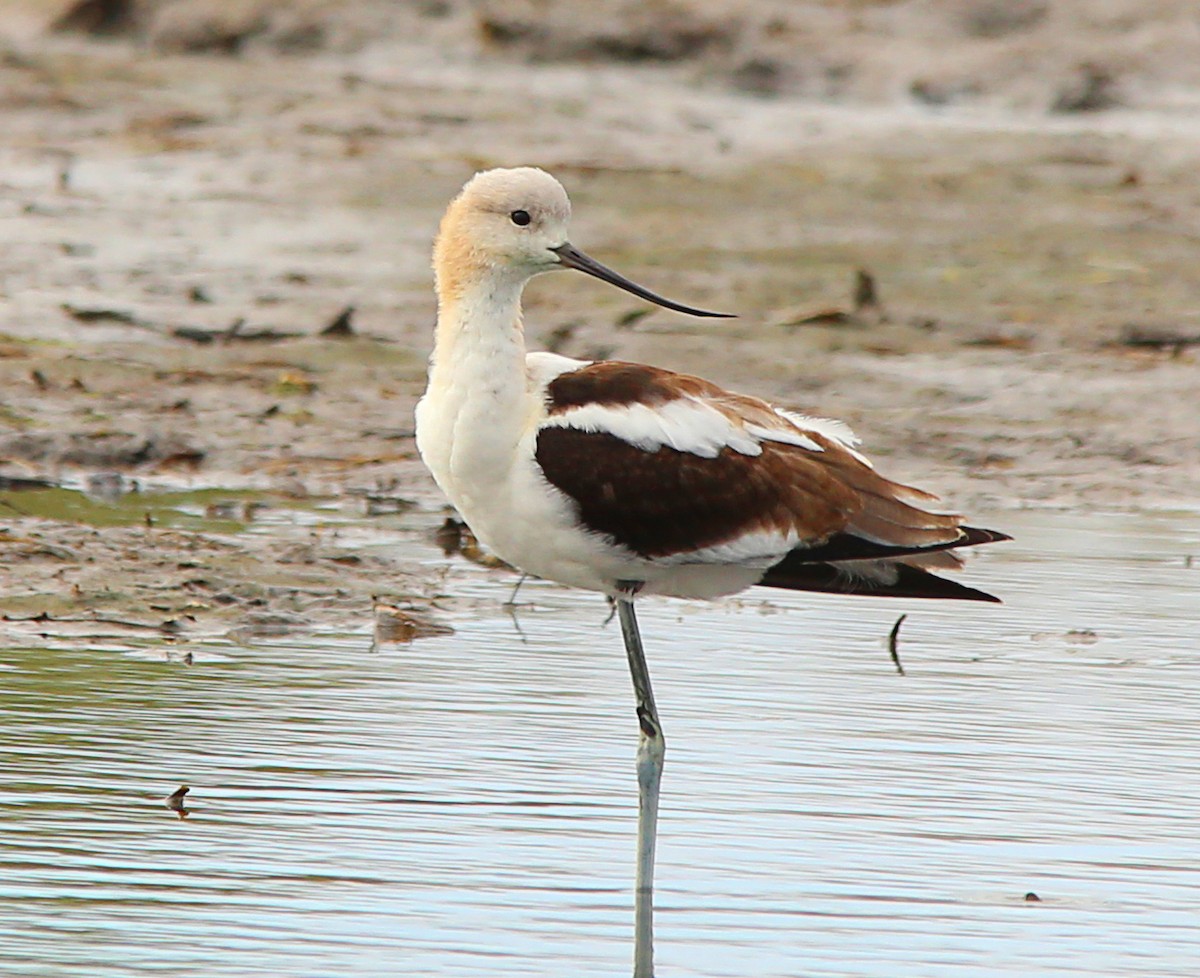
465, 805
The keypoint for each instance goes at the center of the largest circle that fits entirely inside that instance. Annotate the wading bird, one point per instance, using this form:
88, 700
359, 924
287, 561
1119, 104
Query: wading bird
632, 480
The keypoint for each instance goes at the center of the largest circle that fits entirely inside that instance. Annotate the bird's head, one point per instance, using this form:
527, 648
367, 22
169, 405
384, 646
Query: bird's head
511, 224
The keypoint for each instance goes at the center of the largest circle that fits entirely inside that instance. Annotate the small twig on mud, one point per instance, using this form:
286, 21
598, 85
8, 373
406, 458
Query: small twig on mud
11, 483
235, 332
1158, 339
893, 636
341, 326
101, 315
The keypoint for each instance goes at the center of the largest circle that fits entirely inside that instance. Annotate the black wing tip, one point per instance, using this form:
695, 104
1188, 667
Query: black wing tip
976, 535
984, 596
911, 582
848, 546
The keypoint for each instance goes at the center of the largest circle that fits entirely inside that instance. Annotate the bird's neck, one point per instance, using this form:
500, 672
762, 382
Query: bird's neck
477, 406
479, 333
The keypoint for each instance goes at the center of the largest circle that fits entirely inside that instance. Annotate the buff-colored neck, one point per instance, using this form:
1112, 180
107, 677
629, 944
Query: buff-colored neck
479, 327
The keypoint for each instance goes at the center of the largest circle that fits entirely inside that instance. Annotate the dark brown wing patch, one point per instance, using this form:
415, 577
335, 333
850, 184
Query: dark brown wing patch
614, 383
599, 383
668, 502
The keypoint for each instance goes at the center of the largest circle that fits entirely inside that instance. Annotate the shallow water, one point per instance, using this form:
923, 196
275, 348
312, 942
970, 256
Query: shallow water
466, 805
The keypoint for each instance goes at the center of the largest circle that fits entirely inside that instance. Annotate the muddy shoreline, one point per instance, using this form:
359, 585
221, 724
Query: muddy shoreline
1032, 346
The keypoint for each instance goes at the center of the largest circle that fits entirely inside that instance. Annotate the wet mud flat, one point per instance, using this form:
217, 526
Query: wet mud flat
216, 280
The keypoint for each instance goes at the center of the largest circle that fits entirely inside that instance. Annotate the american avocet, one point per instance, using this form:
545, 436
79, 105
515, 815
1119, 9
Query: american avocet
632, 480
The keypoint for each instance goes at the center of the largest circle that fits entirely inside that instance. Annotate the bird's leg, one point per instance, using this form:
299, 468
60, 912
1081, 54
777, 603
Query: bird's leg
651, 749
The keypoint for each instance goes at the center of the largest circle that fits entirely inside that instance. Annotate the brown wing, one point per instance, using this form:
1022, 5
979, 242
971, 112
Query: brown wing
670, 502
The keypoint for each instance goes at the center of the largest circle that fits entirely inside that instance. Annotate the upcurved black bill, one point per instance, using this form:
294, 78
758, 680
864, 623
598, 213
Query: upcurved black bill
572, 257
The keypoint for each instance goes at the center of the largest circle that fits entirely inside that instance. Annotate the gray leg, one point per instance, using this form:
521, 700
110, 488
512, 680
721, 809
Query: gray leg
651, 749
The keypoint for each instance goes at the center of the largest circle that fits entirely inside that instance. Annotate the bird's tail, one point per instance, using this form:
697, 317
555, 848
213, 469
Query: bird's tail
848, 564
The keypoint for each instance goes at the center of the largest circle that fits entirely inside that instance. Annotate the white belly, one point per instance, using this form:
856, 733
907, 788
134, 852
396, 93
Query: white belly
482, 457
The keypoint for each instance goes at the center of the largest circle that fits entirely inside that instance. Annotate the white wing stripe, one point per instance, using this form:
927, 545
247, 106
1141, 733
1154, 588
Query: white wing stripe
836, 431
686, 425
785, 436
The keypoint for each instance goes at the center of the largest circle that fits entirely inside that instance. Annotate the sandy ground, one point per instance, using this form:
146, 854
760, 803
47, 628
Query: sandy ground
1034, 257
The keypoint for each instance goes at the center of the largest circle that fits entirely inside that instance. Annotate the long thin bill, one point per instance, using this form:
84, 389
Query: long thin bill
572, 257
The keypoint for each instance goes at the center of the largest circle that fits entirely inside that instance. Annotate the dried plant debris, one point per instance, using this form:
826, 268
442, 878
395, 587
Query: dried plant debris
101, 314
234, 333
1154, 338
629, 31
341, 327
104, 450
15, 483
866, 310
1092, 89
1000, 18
99, 18
169, 626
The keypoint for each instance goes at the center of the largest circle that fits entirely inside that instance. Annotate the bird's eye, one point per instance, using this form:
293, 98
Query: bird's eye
520, 218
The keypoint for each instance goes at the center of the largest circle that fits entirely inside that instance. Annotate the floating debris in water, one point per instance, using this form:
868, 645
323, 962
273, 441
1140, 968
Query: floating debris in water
455, 537
893, 641
449, 536
238, 510
377, 505
174, 801
1074, 636
396, 624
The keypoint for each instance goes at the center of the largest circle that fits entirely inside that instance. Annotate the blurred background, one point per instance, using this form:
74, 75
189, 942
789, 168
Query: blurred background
967, 227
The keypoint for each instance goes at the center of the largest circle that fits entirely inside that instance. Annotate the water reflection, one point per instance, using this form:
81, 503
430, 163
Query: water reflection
465, 805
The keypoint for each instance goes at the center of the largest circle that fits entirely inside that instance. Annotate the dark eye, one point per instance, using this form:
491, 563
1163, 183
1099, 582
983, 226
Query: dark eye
520, 218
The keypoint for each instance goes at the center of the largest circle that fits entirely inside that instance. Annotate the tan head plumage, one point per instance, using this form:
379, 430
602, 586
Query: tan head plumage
501, 225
